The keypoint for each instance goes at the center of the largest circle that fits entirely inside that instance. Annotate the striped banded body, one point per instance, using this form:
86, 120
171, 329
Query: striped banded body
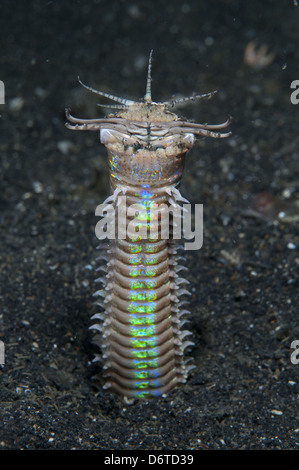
142, 333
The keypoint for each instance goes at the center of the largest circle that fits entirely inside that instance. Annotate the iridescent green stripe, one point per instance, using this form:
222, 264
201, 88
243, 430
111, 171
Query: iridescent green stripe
141, 364
139, 295
139, 284
145, 353
143, 271
135, 319
142, 330
146, 307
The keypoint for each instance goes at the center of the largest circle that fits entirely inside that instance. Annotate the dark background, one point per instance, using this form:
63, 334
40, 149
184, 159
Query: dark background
243, 393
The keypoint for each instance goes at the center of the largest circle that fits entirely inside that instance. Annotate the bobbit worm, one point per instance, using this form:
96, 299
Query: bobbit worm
140, 326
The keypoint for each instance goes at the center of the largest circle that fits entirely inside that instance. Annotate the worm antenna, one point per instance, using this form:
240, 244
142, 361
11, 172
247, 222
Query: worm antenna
148, 94
179, 101
122, 101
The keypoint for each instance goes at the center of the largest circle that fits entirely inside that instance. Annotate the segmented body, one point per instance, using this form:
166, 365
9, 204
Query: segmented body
142, 336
